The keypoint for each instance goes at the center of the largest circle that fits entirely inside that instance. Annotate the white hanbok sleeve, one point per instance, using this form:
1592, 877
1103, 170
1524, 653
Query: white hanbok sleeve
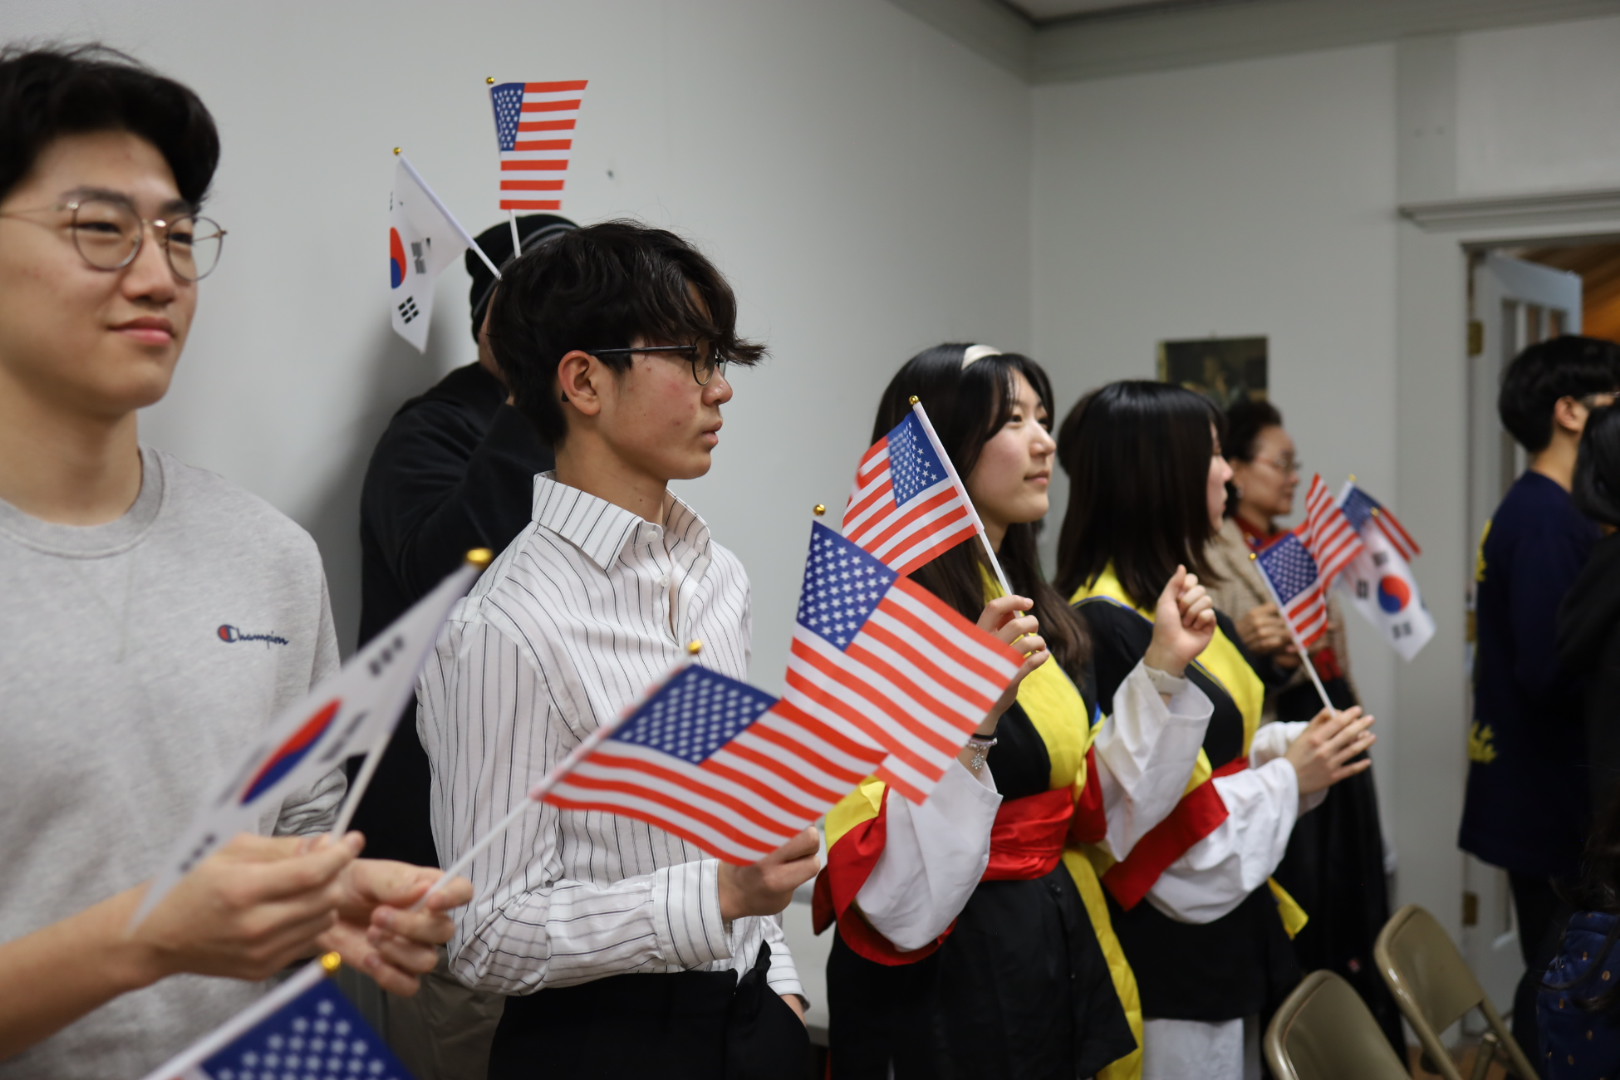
933, 857
1215, 875
1145, 753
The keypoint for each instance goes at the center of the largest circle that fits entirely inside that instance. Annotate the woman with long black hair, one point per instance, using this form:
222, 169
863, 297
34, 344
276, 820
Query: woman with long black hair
1205, 936
970, 944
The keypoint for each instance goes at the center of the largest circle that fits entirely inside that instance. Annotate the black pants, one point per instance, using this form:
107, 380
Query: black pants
1541, 914
703, 1025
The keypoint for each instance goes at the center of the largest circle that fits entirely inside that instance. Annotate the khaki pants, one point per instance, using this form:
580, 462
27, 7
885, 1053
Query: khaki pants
443, 1033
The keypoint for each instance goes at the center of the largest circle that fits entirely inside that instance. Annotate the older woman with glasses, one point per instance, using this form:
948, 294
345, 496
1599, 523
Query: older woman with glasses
1334, 864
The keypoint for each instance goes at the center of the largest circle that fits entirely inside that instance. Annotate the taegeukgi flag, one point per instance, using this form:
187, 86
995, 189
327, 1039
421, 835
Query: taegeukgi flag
1379, 583
879, 653
351, 713
423, 239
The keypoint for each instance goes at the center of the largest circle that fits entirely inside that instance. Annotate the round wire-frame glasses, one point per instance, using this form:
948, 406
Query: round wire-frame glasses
108, 233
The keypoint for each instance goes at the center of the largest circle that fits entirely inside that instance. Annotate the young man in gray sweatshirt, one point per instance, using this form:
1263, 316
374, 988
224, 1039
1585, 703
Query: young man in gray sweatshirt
153, 618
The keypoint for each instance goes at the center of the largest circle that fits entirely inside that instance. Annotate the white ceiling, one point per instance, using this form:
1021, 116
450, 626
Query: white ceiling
1047, 10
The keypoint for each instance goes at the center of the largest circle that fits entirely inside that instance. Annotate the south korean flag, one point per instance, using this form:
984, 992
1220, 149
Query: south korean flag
422, 241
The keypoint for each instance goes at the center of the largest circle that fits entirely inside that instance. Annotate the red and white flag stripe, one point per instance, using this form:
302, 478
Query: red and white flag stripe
1327, 533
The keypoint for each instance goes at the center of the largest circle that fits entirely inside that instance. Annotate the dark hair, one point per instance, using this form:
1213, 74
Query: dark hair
1596, 487
1567, 366
46, 93
1137, 454
966, 407
1246, 418
496, 243
604, 287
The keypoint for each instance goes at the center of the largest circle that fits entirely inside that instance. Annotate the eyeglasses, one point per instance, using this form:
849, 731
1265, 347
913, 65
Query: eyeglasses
1288, 466
705, 362
107, 232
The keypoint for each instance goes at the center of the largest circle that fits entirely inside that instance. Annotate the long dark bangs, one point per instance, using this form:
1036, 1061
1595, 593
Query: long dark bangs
966, 407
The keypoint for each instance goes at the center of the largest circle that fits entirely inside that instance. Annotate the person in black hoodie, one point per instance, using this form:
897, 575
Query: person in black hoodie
1589, 620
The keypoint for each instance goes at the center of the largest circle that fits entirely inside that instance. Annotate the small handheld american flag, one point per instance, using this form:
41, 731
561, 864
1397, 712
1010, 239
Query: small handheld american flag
305, 1028
1360, 508
534, 130
714, 761
1328, 534
908, 505
876, 651
1292, 574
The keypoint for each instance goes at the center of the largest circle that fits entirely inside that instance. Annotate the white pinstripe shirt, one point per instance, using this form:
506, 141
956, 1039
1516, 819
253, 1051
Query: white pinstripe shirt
576, 618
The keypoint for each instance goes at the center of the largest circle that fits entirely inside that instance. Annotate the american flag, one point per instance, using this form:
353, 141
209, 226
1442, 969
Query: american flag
1296, 583
880, 654
317, 1035
1360, 507
1330, 538
534, 127
718, 763
908, 505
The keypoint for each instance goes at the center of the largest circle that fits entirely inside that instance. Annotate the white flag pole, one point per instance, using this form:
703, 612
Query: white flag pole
455, 222
978, 525
244, 1021
555, 776
517, 241
1305, 657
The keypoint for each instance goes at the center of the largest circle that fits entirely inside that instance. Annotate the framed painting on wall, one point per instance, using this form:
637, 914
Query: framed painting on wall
1222, 369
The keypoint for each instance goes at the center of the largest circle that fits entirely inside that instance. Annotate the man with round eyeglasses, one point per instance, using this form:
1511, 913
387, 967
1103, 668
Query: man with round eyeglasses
120, 567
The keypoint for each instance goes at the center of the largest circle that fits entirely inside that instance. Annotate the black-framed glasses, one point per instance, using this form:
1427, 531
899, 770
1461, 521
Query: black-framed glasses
108, 232
704, 364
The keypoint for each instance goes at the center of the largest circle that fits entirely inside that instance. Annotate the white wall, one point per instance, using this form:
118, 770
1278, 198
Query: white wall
861, 179
1241, 199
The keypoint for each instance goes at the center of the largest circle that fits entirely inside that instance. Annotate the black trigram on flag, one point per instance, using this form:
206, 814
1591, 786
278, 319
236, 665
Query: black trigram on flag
420, 250
408, 309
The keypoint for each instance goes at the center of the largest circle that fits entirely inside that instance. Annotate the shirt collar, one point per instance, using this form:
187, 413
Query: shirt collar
601, 529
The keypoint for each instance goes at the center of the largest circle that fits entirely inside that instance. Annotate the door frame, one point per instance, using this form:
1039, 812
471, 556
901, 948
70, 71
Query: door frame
1433, 244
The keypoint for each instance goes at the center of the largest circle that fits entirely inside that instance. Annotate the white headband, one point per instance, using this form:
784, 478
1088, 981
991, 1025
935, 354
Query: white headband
978, 352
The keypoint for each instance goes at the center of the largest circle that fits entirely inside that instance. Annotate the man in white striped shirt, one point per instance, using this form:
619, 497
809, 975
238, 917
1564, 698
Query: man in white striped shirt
615, 341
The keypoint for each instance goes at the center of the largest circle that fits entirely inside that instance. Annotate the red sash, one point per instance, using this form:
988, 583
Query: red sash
1198, 814
1026, 841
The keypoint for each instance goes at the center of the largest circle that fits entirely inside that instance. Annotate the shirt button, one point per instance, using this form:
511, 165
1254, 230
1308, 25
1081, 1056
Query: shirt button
663, 582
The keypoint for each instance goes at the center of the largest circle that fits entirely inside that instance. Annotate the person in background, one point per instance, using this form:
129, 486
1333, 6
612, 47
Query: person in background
454, 470
1521, 810
1205, 935
126, 576
1335, 861
969, 944
1589, 619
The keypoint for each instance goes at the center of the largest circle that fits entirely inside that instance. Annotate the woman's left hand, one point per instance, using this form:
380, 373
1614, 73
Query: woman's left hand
1183, 624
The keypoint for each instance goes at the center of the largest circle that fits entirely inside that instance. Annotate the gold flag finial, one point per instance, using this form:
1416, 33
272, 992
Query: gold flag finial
331, 962
915, 400
820, 509
489, 80
396, 151
1253, 556
694, 647
480, 557
1352, 478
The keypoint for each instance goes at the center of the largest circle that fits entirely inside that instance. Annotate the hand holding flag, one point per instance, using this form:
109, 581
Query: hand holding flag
1291, 576
353, 712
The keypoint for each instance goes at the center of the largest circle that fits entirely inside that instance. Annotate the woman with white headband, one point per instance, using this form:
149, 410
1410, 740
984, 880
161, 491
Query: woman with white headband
970, 942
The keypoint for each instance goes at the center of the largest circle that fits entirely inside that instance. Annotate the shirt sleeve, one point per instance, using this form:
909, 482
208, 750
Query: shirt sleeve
1215, 875
492, 726
933, 857
436, 488
1145, 754
783, 976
